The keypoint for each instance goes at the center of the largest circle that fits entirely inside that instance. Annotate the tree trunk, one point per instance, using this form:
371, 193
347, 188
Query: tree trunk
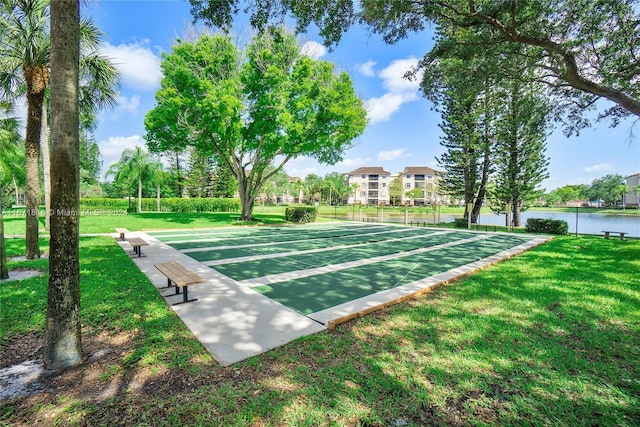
4, 269
46, 166
62, 341
32, 154
139, 194
516, 213
15, 186
245, 200
158, 197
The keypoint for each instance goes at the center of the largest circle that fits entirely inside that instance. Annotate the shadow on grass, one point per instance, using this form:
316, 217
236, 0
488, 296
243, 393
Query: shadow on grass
548, 337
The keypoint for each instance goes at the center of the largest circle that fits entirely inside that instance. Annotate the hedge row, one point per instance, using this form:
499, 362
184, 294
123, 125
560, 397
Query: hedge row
301, 214
546, 226
192, 205
166, 205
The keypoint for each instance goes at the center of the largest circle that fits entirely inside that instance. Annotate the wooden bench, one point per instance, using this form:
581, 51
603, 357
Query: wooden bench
122, 231
619, 233
181, 277
137, 244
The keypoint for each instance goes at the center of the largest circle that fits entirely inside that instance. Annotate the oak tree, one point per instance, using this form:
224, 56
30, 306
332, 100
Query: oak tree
255, 110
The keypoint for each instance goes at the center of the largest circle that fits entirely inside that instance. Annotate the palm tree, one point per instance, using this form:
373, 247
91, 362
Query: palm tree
62, 340
135, 166
24, 68
10, 171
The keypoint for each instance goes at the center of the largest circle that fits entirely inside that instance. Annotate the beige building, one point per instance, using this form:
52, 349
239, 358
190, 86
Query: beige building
368, 186
371, 185
632, 197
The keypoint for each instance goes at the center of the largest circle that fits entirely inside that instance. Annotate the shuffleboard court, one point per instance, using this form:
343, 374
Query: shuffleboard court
299, 243
319, 292
292, 261
314, 267
265, 286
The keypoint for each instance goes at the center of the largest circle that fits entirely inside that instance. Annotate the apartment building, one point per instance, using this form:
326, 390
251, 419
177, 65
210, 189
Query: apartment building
422, 178
632, 198
368, 186
372, 185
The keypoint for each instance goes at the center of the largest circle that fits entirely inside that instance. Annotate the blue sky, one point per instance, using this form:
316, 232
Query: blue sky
403, 130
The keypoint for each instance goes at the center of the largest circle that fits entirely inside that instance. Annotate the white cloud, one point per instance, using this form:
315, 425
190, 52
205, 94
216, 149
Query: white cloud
139, 67
601, 167
389, 155
313, 50
394, 76
129, 105
380, 109
354, 163
366, 68
112, 148
400, 90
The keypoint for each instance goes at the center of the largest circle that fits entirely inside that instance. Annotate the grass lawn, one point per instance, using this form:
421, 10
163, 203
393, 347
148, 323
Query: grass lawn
551, 337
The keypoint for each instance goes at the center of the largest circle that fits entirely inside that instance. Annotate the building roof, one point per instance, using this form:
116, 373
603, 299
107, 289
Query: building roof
633, 176
419, 170
370, 170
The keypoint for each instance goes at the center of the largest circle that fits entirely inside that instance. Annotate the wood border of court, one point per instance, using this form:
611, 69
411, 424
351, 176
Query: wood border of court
331, 324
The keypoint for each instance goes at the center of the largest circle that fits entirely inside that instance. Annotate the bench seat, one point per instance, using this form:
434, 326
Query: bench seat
122, 232
619, 233
137, 244
180, 277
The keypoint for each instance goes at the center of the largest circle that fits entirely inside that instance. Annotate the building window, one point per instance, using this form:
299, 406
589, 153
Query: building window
351, 176
364, 176
430, 176
419, 177
373, 177
384, 176
384, 184
408, 176
407, 185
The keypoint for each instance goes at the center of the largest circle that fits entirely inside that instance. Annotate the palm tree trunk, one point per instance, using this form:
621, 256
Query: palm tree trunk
32, 154
15, 186
46, 167
139, 194
62, 341
4, 269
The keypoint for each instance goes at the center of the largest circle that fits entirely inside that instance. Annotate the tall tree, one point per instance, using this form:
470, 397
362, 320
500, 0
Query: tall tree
24, 63
274, 104
584, 50
62, 341
135, 166
10, 160
24, 68
608, 189
224, 183
521, 163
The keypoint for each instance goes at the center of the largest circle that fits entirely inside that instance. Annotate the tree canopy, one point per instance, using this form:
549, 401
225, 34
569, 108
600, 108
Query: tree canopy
583, 50
255, 110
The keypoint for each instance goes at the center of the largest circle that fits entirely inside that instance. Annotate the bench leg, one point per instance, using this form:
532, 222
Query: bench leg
122, 237
185, 297
139, 251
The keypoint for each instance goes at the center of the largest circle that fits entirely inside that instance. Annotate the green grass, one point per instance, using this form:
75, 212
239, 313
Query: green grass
551, 337
15, 224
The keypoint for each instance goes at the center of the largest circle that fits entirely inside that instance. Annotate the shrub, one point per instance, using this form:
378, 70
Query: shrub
301, 214
192, 205
547, 226
460, 222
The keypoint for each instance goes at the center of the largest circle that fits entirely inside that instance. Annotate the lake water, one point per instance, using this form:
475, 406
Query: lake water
588, 223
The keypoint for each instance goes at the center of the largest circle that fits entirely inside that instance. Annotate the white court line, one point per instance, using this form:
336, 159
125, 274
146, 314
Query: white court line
255, 245
282, 277
310, 251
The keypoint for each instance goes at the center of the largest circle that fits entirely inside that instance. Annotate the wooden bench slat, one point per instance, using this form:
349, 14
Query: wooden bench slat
180, 276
